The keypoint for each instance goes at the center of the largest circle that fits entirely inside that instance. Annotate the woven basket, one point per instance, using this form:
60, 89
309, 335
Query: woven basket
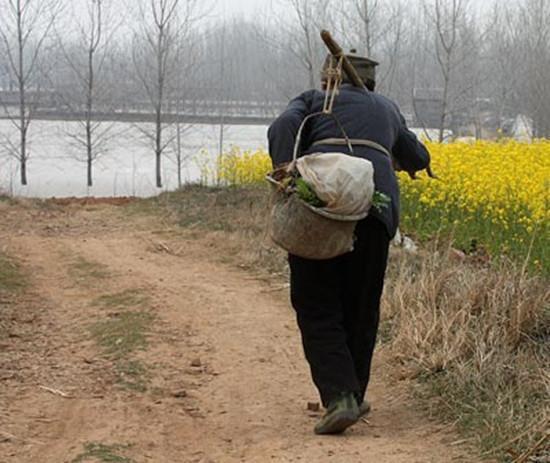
306, 231
298, 227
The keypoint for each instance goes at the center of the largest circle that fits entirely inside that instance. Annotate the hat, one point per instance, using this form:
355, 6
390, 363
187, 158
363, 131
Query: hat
365, 67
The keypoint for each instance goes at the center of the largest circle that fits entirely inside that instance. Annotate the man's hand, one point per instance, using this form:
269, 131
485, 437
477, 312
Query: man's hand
412, 174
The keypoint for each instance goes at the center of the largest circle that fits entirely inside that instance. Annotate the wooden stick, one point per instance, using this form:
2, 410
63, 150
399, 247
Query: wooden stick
337, 52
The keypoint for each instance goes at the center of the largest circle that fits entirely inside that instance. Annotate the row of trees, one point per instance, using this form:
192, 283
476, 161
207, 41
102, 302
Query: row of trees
162, 53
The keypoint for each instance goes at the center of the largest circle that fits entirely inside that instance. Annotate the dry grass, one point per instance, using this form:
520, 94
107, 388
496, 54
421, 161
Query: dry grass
473, 334
477, 338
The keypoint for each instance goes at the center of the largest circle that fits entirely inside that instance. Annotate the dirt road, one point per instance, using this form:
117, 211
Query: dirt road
137, 343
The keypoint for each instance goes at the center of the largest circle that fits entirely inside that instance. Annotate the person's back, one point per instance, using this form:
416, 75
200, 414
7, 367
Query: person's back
363, 116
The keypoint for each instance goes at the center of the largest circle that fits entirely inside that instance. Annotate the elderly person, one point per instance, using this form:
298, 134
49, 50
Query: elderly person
337, 301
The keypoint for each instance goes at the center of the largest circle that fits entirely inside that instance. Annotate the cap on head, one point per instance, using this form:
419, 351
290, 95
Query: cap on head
365, 67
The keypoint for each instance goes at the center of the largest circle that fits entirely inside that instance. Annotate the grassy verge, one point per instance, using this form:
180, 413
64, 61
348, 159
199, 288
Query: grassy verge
474, 334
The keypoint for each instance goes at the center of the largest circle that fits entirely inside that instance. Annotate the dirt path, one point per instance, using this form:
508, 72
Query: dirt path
220, 377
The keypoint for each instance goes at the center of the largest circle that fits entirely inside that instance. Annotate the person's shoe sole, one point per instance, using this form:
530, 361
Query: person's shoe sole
337, 423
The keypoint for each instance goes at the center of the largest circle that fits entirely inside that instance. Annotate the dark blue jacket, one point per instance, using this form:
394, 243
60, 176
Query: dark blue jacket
363, 115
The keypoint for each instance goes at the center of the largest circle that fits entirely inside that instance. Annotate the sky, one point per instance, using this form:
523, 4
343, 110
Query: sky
240, 7
248, 7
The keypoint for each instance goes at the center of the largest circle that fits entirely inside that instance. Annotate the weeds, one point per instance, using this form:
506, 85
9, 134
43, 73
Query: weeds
12, 279
125, 299
86, 270
103, 453
132, 374
4, 198
12, 283
123, 333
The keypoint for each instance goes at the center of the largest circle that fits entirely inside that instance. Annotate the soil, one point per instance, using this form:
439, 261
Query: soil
222, 376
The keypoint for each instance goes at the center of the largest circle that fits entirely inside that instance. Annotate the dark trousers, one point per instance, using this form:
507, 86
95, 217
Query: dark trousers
337, 302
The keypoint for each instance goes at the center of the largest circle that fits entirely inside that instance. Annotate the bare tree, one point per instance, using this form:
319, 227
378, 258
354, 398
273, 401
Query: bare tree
304, 13
361, 24
186, 61
223, 86
446, 16
533, 37
86, 60
375, 29
24, 29
163, 24
300, 35
502, 65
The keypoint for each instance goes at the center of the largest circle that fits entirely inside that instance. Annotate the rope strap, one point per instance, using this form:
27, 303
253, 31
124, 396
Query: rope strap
354, 141
334, 76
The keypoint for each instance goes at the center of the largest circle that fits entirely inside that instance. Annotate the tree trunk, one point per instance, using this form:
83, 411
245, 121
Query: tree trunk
23, 123
178, 153
444, 103
157, 169
366, 12
23, 171
23, 147
89, 171
158, 108
89, 109
158, 145
89, 151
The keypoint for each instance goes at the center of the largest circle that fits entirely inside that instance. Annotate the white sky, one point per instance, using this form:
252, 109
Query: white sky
240, 7
248, 7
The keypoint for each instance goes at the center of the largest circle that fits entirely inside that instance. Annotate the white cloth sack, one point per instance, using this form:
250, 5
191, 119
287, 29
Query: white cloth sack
345, 183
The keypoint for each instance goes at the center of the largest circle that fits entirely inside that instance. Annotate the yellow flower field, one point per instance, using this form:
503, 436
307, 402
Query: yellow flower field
504, 182
493, 195
490, 195
242, 168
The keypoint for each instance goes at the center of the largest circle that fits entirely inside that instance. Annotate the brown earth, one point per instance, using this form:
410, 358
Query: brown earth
225, 377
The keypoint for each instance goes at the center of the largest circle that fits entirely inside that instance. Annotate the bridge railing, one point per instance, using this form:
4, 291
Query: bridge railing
49, 101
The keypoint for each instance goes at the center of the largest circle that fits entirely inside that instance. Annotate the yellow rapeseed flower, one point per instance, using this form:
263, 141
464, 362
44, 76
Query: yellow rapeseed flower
496, 192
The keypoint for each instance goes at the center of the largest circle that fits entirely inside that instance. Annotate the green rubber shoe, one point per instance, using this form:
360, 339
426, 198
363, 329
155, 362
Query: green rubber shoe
341, 414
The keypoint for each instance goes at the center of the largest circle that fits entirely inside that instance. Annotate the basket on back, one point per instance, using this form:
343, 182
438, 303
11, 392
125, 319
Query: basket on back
301, 228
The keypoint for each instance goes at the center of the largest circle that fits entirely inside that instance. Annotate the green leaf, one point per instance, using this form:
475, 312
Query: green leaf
306, 193
380, 200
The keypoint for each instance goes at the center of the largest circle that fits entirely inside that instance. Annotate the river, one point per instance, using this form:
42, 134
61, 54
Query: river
56, 164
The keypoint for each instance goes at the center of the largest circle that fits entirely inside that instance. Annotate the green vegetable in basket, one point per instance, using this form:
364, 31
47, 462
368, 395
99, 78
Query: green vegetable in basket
380, 200
307, 194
